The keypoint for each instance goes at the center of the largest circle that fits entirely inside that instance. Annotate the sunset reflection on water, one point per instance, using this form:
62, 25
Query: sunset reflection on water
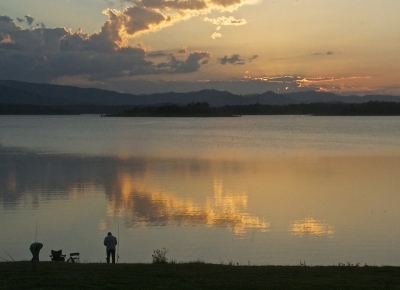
310, 227
273, 190
143, 205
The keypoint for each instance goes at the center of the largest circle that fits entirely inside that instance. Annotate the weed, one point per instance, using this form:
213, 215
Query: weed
160, 256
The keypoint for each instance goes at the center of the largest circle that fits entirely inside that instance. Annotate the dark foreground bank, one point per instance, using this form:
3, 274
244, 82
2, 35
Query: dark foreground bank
51, 275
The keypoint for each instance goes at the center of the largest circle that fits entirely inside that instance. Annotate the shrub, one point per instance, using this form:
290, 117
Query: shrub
160, 256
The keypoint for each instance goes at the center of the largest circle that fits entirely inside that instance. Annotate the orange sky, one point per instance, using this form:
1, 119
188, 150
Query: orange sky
242, 46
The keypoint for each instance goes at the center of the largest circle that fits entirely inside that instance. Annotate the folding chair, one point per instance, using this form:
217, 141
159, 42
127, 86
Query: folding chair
74, 258
57, 256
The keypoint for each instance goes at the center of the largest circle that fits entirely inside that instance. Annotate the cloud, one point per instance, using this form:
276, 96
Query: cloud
42, 54
227, 3
7, 24
139, 19
45, 55
143, 16
238, 86
119, 28
253, 57
176, 5
234, 59
5, 38
183, 50
324, 53
225, 21
29, 19
330, 84
41, 25
191, 64
216, 35
329, 79
37, 40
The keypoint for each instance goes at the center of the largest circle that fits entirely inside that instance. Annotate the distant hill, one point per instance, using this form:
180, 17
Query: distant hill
22, 93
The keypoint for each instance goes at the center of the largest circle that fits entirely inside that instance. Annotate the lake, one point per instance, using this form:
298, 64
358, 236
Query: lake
252, 190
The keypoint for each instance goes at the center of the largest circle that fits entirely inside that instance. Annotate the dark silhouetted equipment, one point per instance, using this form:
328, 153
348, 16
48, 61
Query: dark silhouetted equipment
57, 256
74, 258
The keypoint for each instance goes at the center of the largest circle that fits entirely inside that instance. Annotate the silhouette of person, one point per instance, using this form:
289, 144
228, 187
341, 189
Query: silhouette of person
35, 249
110, 242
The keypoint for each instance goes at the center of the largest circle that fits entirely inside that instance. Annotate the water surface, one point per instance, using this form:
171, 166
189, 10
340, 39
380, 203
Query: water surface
249, 190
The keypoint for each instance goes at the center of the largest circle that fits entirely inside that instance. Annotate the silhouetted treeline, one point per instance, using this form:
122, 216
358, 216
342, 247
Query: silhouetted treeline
372, 108
22, 109
172, 110
318, 109
11, 109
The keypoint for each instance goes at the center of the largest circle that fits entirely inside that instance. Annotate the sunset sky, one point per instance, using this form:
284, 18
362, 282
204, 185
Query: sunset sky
242, 46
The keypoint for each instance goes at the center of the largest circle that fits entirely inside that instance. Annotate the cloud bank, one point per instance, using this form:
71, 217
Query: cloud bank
45, 54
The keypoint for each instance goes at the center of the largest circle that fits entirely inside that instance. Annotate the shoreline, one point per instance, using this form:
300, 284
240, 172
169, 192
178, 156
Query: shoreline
196, 275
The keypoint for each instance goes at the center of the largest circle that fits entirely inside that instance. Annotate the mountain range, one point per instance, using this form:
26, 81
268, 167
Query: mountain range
23, 93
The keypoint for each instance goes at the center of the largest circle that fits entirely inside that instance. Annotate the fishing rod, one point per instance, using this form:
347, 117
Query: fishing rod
4, 259
119, 241
36, 232
9, 255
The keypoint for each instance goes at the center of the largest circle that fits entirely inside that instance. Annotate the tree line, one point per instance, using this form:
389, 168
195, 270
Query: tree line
372, 108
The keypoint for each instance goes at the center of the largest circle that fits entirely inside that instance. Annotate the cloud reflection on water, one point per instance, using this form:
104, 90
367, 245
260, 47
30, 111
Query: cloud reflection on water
142, 206
131, 189
310, 227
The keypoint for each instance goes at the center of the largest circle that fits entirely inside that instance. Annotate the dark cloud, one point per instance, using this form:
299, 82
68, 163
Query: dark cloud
253, 57
29, 19
115, 32
44, 55
324, 53
141, 19
157, 54
234, 59
191, 64
40, 25
7, 24
151, 15
20, 20
183, 50
35, 40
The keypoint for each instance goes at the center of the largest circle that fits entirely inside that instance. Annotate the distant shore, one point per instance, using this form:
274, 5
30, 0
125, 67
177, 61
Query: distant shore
58, 275
372, 108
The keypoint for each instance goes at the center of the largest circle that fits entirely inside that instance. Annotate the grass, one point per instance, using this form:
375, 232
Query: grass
52, 275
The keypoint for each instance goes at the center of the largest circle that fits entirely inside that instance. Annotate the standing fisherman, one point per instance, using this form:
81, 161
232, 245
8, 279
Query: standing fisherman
35, 249
110, 242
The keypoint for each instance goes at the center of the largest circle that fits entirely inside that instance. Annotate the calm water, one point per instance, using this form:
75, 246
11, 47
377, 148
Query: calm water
250, 190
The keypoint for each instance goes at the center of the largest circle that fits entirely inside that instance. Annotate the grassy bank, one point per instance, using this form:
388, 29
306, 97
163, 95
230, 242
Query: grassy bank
51, 275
